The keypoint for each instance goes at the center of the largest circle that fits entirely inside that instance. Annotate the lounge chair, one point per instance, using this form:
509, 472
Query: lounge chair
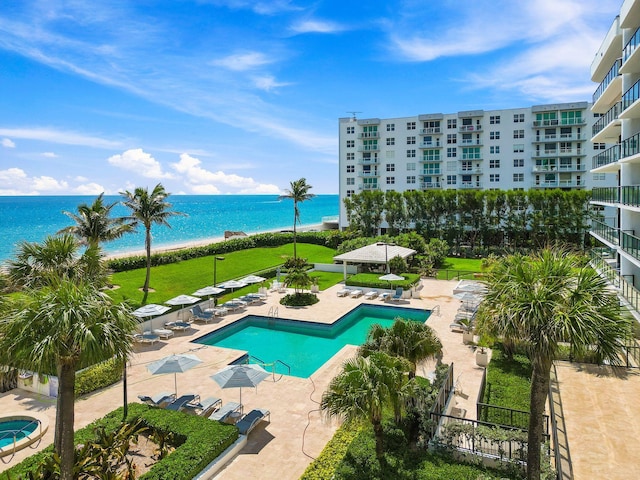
160, 400
398, 295
356, 293
219, 311
162, 333
204, 408
370, 295
180, 402
146, 338
178, 326
200, 315
234, 305
225, 410
344, 292
384, 296
251, 419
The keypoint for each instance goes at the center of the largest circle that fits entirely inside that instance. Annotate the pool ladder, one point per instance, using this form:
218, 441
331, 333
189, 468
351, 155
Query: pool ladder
273, 314
436, 311
16, 432
273, 366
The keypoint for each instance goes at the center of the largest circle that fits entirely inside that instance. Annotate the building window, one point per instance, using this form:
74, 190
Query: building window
391, 127
518, 177
494, 177
390, 154
351, 181
518, 148
452, 152
391, 180
351, 129
411, 179
391, 167
351, 156
452, 138
518, 134
350, 192
599, 146
494, 163
351, 168
351, 143
494, 149
411, 153
599, 177
518, 118
411, 167
452, 179
411, 140
452, 123
494, 135
518, 162
391, 141
494, 119
411, 125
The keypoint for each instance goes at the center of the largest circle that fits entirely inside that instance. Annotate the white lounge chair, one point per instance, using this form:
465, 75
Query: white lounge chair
225, 410
356, 293
162, 333
344, 292
370, 295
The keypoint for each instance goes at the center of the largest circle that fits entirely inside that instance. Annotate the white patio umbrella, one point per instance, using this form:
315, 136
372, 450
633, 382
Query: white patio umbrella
244, 375
391, 277
182, 300
175, 364
208, 291
231, 284
252, 279
150, 310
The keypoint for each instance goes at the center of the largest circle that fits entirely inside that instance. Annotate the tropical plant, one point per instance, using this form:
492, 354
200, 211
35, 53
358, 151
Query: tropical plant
543, 300
365, 387
298, 192
94, 224
148, 208
298, 278
61, 328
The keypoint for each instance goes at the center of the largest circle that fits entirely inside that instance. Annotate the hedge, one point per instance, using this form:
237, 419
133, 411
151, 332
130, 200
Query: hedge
372, 280
328, 238
98, 376
200, 442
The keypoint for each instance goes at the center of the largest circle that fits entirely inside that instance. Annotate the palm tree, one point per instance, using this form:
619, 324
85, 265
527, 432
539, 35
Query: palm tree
147, 209
60, 329
364, 388
540, 301
413, 341
38, 264
94, 223
299, 192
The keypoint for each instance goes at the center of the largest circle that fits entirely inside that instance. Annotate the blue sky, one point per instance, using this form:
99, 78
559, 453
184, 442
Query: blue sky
241, 96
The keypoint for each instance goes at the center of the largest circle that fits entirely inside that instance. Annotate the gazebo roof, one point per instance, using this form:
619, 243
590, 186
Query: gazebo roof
374, 253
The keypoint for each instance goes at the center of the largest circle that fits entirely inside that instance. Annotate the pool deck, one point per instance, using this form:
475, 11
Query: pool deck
297, 433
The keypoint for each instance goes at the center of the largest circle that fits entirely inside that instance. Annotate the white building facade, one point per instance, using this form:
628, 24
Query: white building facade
544, 146
616, 70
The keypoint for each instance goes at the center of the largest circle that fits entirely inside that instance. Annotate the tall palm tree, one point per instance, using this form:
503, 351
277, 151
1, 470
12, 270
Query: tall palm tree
298, 192
60, 329
364, 388
148, 208
94, 224
413, 341
37, 264
540, 301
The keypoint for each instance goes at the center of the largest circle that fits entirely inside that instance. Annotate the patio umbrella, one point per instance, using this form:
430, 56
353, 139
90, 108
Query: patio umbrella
208, 291
391, 277
231, 284
252, 279
150, 310
174, 364
182, 300
245, 375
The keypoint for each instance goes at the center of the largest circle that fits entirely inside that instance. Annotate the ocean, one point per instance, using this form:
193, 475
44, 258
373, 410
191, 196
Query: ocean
33, 218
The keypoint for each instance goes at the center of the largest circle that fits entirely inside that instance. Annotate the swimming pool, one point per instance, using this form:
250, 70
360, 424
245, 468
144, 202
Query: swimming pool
26, 429
304, 346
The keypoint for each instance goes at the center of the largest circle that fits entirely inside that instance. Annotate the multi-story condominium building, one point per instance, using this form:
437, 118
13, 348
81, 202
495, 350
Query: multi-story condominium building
544, 146
616, 70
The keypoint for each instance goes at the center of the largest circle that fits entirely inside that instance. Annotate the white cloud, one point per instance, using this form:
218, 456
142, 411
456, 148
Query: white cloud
89, 189
49, 155
270, 7
317, 26
15, 181
268, 83
8, 143
49, 184
136, 160
203, 181
240, 62
59, 136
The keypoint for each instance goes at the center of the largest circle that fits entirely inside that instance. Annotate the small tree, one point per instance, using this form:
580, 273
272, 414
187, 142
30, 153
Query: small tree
397, 265
299, 192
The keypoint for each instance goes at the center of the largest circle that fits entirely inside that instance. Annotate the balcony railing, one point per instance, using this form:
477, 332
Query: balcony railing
468, 141
606, 194
431, 171
427, 185
369, 135
368, 148
625, 289
631, 95
471, 156
430, 130
610, 155
431, 158
609, 233
559, 168
368, 186
430, 144
631, 146
630, 195
469, 171
631, 45
631, 244
368, 161
606, 119
571, 183
369, 174
613, 73
547, 184
470, 128
469, 185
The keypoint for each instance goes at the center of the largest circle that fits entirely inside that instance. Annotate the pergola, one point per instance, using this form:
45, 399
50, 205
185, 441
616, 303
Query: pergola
376, 253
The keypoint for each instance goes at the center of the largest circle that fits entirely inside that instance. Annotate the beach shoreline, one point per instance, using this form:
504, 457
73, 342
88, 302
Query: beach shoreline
174, 247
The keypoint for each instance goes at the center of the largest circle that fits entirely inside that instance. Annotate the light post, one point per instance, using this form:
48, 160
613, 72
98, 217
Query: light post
215, 259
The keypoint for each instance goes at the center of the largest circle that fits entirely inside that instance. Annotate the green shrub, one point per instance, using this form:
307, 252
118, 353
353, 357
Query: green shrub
98, 376
325, 465
299, 299
372, 280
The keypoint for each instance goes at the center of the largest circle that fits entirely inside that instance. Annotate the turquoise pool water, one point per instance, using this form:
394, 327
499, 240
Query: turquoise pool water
22, 428
304, 346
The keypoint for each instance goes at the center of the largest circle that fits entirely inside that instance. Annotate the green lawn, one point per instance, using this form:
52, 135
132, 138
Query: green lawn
458, 268
188, 276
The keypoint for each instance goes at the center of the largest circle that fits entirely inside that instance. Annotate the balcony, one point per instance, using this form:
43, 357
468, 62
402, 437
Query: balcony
609, 156
369, 174
630, 107
630, 147
559, 152
369, 148
631, 244
431, 158
609, 50
470, 185
369, 135
368, 161
630, 56
470, 128
430, 185
571, 184
625, 289
368, 186
431, 171
544, 168
607, 195
470, 171
430, 131
470, 156
546, 184
431, 144
471, 142
606, 232
612, 78
607, 128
